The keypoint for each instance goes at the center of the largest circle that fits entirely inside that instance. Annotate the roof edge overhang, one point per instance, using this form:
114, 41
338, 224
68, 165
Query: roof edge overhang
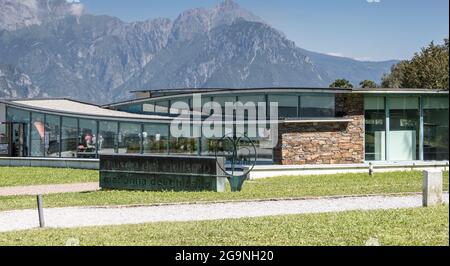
174, 93
82, 115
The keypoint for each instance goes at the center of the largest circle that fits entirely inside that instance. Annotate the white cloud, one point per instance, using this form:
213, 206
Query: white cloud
335, 54
364, 58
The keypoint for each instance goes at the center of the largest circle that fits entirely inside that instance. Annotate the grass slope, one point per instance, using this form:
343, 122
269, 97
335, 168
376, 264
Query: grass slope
26, 176
421, 226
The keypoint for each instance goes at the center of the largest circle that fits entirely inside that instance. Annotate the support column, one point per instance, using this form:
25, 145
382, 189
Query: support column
421, 130
388, 126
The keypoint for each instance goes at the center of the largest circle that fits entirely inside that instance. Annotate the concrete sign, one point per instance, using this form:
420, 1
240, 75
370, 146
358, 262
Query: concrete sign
162, 173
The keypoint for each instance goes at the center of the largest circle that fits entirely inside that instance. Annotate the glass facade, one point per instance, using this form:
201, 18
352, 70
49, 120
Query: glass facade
406, 128
4, 139
87, 141
107, 137
397, 128
375, 117
20, 141
156, 139
52, 133
317, 106
129, 138
185, 144
435, 116
287, 105
38, 135
69, 137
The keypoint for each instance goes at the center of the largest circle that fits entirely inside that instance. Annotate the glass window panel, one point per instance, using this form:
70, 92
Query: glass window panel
37, 134
162, 107
4, 134
129, 138
224, 99
107, 137
69, 137
184, 145
4, 139
132, 108
20, 139
375, 128
439, 103
287, 105
317, 106
156, 138
404, 128
185, 101
148, 107
436, 118
52, 135
254, 100
17, 115
403, 103
87, 147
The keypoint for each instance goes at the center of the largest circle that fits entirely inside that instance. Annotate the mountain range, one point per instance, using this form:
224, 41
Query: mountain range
55, 48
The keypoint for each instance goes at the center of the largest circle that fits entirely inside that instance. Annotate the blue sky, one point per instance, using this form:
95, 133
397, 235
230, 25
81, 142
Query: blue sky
361, 29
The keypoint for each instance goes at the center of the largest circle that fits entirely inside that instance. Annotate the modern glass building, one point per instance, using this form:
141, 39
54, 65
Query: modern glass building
316, 126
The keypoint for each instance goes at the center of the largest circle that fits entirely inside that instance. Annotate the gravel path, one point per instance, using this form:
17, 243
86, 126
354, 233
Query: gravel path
93, 216
48, 189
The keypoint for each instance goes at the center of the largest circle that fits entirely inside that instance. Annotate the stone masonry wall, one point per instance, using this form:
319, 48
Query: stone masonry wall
325, 143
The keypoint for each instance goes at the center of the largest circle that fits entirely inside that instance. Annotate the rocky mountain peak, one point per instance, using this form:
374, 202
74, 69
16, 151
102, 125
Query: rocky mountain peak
229, 4
102, 58
202, 20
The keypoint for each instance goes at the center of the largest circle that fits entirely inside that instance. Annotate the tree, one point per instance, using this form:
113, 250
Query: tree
427, 69
341, 84
368, 84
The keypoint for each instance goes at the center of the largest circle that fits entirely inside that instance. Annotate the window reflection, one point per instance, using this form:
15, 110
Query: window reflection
52, 133
436, 117
69, 137
375, 119
107, 137
129, 138
155, 139
87, 147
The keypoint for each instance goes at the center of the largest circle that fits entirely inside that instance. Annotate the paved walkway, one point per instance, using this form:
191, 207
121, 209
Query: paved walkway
94, 216
48, 189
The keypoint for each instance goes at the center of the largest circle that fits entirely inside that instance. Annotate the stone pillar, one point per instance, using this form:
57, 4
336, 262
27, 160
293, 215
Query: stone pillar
432, 188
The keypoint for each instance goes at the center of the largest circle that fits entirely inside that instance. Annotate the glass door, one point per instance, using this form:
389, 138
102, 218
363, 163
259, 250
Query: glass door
404, 129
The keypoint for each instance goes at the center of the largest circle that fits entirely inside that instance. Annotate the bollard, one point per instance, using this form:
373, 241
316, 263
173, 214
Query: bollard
370, 169
432, 188
40, 211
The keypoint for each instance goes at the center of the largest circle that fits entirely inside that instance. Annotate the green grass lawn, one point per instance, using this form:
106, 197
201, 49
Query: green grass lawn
24, 176
420, 226
271, 188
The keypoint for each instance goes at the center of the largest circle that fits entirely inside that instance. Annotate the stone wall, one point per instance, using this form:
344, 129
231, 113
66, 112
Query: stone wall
325, 143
